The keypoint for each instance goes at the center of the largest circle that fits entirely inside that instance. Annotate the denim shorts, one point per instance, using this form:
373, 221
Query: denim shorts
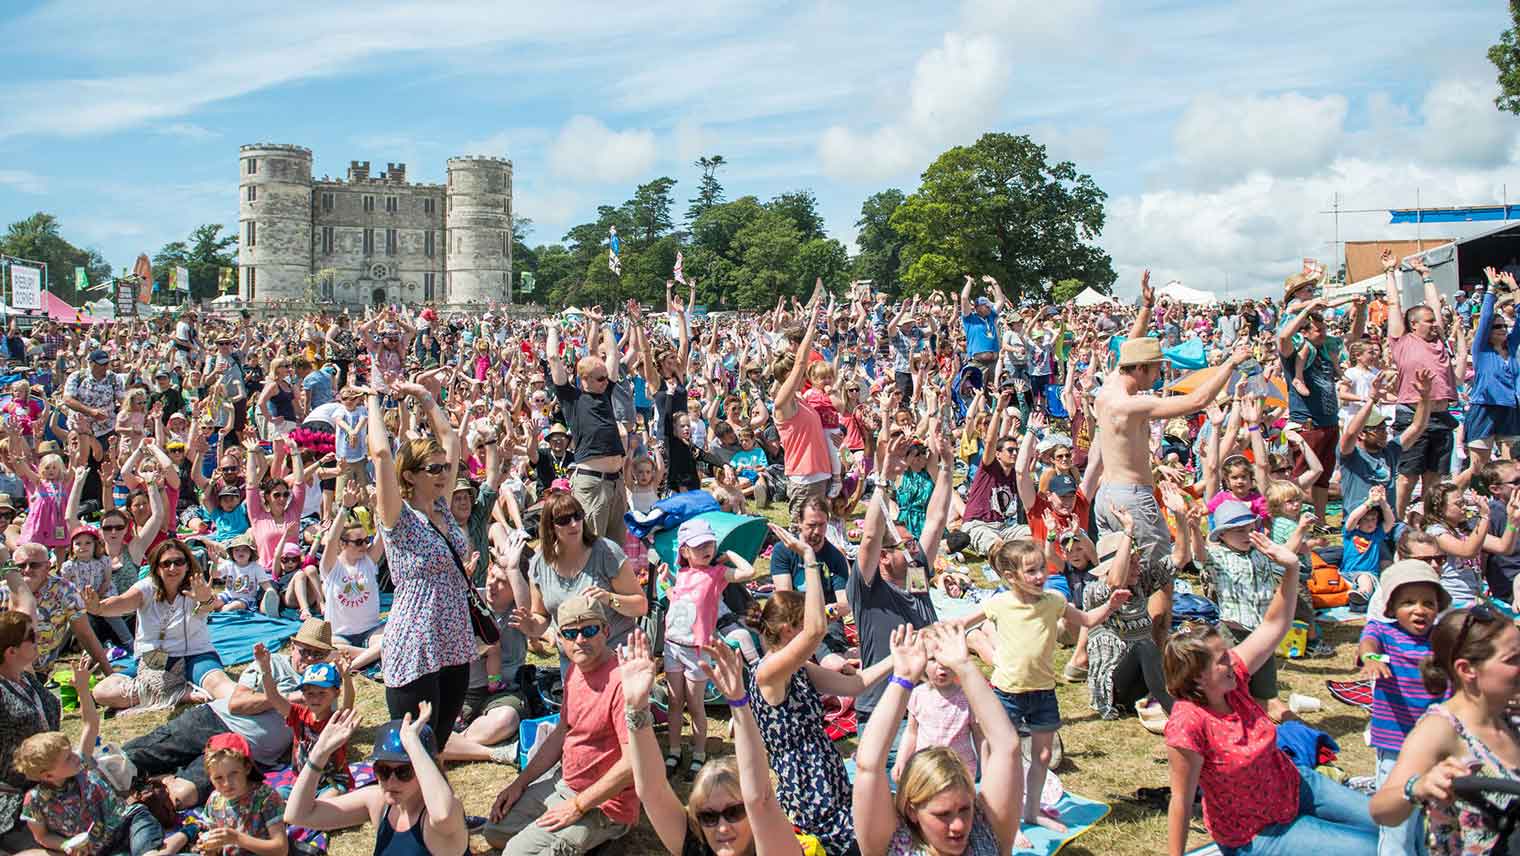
360, 639
1032, 711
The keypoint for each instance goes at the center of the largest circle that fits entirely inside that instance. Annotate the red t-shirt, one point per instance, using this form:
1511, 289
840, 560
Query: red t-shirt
593, 702
304, 730
1248, 783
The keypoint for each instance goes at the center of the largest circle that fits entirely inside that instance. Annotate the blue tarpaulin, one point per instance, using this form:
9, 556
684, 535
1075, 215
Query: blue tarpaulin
1471, 214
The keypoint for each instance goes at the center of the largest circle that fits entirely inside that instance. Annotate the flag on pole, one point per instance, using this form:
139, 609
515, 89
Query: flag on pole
81, 279
678, 274
614, 264
182, 279
143, 270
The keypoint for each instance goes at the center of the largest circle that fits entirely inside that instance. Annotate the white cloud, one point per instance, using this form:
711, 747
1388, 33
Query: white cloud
552, 209
1462, 125
1222, 138
588, 150
20, 179
187, 130
692, 141
1082, 144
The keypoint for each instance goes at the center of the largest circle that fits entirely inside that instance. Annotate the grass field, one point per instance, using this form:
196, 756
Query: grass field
1104, 761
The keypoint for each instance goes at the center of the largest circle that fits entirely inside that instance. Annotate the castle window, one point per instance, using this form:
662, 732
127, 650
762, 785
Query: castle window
369, 241
253, 235
427, 244
327, 239
390, 242
327, 202
253, 193
369, 204
327, 288
390, 204
253, 166
253, 283
429, 286
427, 205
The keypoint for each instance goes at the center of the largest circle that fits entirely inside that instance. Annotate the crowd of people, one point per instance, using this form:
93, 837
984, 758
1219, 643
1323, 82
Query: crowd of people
434, 496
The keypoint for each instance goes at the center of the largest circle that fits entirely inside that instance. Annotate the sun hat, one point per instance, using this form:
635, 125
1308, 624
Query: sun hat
1140, 351
388, 746
229, 490
695, 533
1403, 573
463, 484
1297, 282
315, 633
557, 428
245, 541
290, 550
321, 675
1376, 418
578, 609
1231, 514
1108, 548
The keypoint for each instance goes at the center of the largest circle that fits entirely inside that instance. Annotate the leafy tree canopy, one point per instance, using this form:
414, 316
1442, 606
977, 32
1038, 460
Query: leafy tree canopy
39, 238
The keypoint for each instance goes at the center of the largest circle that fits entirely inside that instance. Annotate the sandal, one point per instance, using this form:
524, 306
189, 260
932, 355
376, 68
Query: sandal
697, 760
672, 761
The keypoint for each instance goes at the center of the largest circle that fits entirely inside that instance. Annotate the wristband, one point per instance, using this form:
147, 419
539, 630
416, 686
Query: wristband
903, 682
1254, 429
1409, 789
1376, 658
739, 702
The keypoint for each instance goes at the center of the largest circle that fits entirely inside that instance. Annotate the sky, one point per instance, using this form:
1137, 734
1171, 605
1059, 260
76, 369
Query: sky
1219, 131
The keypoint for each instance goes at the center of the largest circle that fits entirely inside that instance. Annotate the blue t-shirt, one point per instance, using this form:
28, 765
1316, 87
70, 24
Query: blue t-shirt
229, 524
748, 462
981, 333
319, 389
1362, 552
835, 570
1360, 471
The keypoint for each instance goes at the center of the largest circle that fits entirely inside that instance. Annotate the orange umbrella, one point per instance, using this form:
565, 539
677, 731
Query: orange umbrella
1277, 390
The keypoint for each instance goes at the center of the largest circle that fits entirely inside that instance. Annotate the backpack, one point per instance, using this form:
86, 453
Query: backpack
1327, 588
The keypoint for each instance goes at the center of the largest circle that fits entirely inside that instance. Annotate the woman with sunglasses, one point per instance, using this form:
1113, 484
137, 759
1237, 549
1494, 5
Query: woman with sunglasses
171, 604
274, 507
1475, 654
733, 809
429, 644
414, 810
26, 708
574, 561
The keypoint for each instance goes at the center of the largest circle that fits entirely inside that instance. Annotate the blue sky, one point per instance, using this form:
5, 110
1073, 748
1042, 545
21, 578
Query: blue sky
1219, 130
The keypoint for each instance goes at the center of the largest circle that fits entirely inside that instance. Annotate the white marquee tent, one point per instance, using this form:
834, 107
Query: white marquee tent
1182, 294
1089, 297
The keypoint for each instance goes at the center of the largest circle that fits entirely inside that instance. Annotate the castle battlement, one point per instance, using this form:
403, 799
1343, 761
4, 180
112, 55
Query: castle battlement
276, 147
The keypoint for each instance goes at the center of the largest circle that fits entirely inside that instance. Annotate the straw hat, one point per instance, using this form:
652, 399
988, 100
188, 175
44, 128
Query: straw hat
1140, 351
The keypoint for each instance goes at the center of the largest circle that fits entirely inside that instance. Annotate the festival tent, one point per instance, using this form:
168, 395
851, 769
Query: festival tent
63, 313
1090, 297
1182, 294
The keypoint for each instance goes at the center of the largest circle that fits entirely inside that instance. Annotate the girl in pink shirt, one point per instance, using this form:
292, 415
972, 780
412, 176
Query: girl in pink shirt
274, 507
689, 623
939, 715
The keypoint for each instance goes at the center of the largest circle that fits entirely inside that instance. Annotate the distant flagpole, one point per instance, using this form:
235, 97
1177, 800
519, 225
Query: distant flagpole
614, 264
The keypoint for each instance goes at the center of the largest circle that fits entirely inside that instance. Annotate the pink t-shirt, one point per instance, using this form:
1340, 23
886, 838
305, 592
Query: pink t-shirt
803, 442
1410, 354
267, 532
823, 405
944, 719
1248, 783
595, 733
694, 604
1257, 502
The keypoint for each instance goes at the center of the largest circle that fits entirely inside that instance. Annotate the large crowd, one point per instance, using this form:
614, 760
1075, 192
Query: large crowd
435, 496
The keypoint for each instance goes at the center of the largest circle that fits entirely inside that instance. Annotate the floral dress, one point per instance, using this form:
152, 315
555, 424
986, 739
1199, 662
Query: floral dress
429, 626
811, 783
1460, 829
26, 708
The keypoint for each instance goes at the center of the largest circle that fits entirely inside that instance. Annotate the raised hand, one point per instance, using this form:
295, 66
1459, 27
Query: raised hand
1423, 380
1147, 294
788, 540
336, 734
723, 668
1127, 520
1278, 553
947, 642
1119, 597
200, 588
909, 658
261, 654
1389, 260
636, 664
1493, 275
91, 600
412, 728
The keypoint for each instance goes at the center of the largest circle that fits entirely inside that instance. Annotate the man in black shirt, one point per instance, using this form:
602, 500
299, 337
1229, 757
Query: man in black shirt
787, 574
597, 468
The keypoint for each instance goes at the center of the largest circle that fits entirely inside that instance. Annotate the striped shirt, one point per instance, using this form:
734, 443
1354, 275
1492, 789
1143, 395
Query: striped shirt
1398, 702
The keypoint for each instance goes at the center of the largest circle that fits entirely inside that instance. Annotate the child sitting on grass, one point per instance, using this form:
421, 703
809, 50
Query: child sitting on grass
246, 581
244, 816
1024, 676
319, 689
73, 807
1368, 527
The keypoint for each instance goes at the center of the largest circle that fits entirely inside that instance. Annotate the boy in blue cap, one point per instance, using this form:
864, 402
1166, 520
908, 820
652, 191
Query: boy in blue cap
320, 685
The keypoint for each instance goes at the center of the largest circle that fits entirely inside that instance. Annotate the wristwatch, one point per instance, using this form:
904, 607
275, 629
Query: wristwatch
1409, 788
640, 718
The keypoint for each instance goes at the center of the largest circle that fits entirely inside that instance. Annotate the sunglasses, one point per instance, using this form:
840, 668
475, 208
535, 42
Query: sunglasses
308, 651
402, 772
178, 562
290, 558
280, 494
572, 517
730, 815
597, 378
1478, 612
1434, 561
434, 469
357, 542
587, 632
34, 564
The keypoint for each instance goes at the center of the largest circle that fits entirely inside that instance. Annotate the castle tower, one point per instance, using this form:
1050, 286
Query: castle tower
274, 221
478, 260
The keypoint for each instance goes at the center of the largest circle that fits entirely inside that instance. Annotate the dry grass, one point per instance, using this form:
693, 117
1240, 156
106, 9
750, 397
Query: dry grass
1105, 761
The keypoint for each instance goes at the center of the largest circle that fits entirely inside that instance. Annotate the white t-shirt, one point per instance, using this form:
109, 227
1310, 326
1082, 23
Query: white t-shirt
1361, 384
242, 581
353, 596
171, 627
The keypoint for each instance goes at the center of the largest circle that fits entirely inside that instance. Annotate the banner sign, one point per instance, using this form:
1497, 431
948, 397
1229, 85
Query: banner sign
224, 280
126, 298
26, 287
182, 279
143, 269
81, 279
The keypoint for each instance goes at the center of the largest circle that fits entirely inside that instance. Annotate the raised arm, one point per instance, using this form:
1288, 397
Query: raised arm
387, 488
1396, 327
1262, 644
1142, 321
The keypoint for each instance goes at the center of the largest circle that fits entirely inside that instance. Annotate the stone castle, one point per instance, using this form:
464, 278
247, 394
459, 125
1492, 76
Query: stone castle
372, 240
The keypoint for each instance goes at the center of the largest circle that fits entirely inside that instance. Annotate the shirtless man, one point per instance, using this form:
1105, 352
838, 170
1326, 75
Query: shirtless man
599, 451
1123, 434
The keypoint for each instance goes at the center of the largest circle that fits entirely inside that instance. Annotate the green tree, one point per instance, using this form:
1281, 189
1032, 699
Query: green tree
1066, 291
820, 258
1000, 207
524, 258
649, 210
1506, 58
767, 246
802, 207
880, 245
709, 190
717, 227
204, 255
39, 238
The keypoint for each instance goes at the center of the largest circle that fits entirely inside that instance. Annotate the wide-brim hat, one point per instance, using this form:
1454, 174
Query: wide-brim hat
1231, 515
315, 633
1402, 573
1108, 548
1298, 281
1140, 351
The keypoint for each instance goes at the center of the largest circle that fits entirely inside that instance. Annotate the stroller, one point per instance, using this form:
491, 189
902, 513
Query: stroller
1477, 790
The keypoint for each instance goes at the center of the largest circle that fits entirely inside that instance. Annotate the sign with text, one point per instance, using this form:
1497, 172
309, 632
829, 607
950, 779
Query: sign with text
26, 287
126, 298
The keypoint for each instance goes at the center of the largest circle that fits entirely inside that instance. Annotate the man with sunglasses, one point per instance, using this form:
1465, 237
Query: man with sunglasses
175, 749
592, 801
599, 451
1367, 455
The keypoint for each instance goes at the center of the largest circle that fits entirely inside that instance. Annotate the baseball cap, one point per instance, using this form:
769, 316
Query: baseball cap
320, 675
578, 609
1063, 485
229, 741
99, 357
695, 533
388, 743
982, 301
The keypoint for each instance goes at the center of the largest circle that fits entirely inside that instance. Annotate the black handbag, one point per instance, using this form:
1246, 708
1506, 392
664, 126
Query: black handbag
482, 621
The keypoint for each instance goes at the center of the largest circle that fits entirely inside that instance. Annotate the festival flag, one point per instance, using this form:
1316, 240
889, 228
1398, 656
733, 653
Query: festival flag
224, 280
143, 270
81, 279
181, 279
1062, 344
678, 274
614, 264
